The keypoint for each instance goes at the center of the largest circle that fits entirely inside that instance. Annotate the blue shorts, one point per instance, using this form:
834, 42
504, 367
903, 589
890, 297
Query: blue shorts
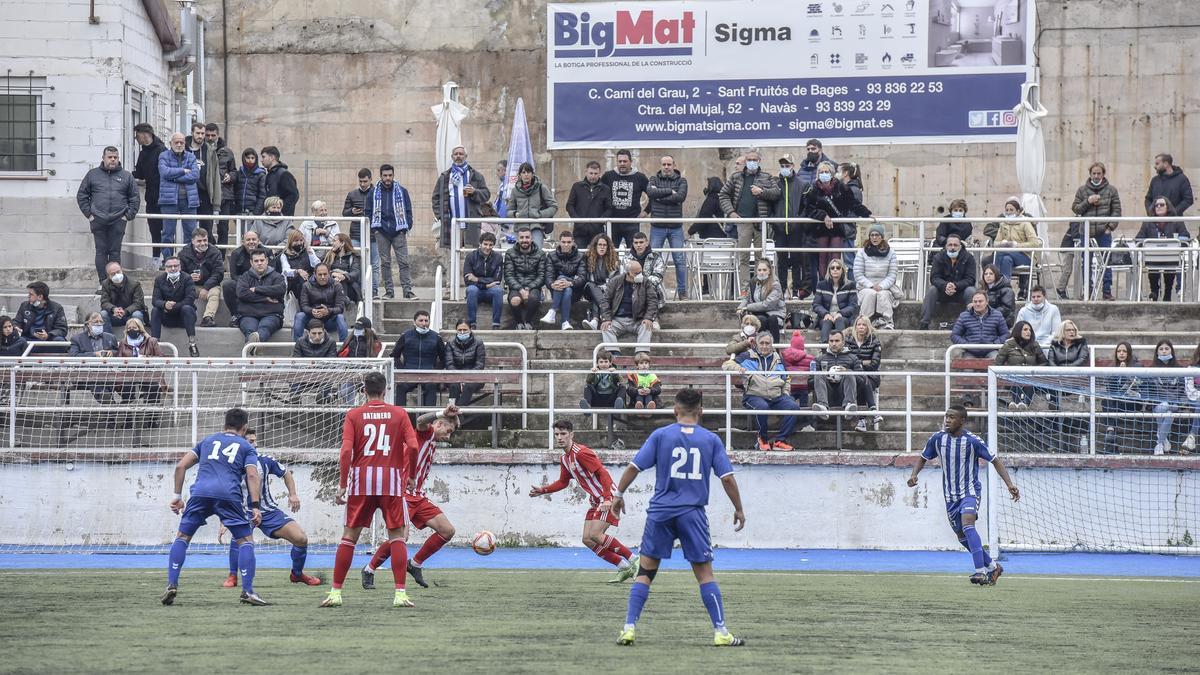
690, 528
272, 522
956, 510
232, 515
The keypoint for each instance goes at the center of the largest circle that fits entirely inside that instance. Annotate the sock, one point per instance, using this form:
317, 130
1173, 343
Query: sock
246, 565
381, 554
623, 565
710, 593
987, 559
299, 555
178, 554
638, 593
341, 562
975, 544
399, 562
603, 551
620, 549
233, 557
432, 545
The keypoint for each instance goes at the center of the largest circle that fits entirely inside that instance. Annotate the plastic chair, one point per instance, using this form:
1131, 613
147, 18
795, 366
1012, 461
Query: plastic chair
1161, 255
714, 261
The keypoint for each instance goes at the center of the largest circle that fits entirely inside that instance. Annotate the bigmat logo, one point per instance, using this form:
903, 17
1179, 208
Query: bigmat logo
577, 36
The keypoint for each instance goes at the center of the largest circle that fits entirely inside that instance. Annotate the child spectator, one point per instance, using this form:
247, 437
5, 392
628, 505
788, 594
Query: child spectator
603, 387
643, 387
796, 359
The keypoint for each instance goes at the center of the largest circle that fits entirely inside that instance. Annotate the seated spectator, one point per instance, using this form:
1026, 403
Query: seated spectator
296, 263
1162, 229
363, 343
600, 263
320, 230
1000, 293
121, 298
953, 278
345, 264
1068, 349
562, 267
137, 344
797, 360
653, 267
765, 299
743, 340
1021, 349
824, 200
1042, 315
530, 198
12, 343
1167, 393
465, 352
767, 387
206, 266
875, 273
961, 228
316, 344
483, 275
1121, 396
321, 298
272, 229
174, 303
40, 318
419, 348
524, 274
260, 294
604, 387
980, 324
835, 304
239, 264
861, 342
630, 306
1017, 238
840, 386
642, 386
1191, 387
93, 340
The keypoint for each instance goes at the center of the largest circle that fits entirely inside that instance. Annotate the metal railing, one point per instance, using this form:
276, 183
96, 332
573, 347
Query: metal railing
64, 346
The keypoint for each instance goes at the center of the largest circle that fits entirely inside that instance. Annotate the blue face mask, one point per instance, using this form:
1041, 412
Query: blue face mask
1164, 359
786, 172
752, 166
825, 177
463, 337
421, 330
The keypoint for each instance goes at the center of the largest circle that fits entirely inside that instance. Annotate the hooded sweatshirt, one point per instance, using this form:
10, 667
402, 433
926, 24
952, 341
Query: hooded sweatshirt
1044, 320
796, 359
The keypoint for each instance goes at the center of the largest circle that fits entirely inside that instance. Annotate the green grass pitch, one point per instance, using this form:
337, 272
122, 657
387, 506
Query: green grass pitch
567, 621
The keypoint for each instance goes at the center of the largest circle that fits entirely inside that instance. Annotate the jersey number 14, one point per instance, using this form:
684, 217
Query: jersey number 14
680, 456
229, 451
377, 440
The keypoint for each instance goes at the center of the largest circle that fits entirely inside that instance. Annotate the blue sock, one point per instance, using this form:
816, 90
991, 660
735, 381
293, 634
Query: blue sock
246, 565
638, 593
710, 593
233, 557
178, 555
299, 555
976, 545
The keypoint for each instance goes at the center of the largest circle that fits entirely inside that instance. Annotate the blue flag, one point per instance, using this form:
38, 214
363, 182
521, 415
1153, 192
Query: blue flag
519, 151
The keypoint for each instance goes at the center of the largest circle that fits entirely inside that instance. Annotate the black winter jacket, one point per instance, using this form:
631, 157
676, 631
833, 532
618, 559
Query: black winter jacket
486, 269
524, 269
840, 203
414, 351
962, 272
590, 200
183, 291
108, 195
249, 191
128, 296
331, 295
469, 355
211, 264
146, 169
667, 194
304, 349
239, 261
559, 265
281, 183
709, 208
52, 317
256, 303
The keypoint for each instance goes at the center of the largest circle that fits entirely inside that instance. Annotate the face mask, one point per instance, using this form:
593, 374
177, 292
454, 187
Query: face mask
952, 254
38, 303
958, 214
1097, 182
359, 332
463, 337
763, 276
1036, 305
1011, 215
824, 176
173, 276
134, 336
747, 330
813, 156
752, 166
786, 172
421, 330
96, 331
1164, 359
118, 278
637, 279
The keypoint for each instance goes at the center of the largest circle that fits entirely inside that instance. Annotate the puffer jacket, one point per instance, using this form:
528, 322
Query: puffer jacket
469, 355
525, 269
51, 317
839, 202
761, 300
653, 265
303, 349
869, 353
108, 195
211, 264
249, 190
13, 345
1075, 355
270, 231
667, 194
827, 300
845, 359
1013, 353
331, 295
1109, 206
171, 172
1001, 297
1020, 232
797, 359
533, 201
765, 375
874, 266
732, 190
970, 328
414, 351
559, 265
645, 299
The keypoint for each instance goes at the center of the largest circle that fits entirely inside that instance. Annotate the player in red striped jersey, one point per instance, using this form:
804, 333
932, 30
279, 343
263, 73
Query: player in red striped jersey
377, 445
422, 513
581, 463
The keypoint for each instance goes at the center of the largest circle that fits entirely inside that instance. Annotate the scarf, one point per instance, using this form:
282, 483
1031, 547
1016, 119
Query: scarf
875, 251
212, 176
460, 177
135, 347
397, 207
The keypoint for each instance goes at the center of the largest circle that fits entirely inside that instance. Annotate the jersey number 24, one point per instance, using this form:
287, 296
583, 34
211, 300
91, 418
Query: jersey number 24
377, 440
680, 456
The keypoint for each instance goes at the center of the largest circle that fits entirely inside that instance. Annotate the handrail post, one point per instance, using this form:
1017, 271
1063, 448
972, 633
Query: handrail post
454, 244
728, 410
1086, 236
195, 412
550, 409
919, 291
368, 275
993, 484
907, 413
12, 406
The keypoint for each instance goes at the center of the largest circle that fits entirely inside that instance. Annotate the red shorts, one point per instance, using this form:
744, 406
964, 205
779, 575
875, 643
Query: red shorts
598, 513
361, 508
421, 511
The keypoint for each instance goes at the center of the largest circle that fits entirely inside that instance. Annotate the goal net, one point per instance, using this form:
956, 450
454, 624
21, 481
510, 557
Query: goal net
92, 443
1103, 456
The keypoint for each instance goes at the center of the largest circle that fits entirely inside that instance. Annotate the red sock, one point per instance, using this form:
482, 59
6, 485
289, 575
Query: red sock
603, 551
432, 545
399, 562
381, 555
617, 547
342, 561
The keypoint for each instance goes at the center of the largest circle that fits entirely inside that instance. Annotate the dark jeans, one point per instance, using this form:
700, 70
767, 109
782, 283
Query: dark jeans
229, 295
110, 320
562, 300
623, 232
792, 265
778, 403
933, 296
183, 316
526, 312
1164, 279
771, 324
429, 393
188, 225
827, 327
107, 235
228, 208
155, 225
463, 394
265, 326
493, 295
334, 324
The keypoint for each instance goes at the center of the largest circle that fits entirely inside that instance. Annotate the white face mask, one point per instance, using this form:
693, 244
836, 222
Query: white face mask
1011, 215
118, 278
763, 276
96, 331
1097, 182
359, 332
748, 330
421, 330
173, 276
751, 166
639, 278
958, 214
952, 254
824, 176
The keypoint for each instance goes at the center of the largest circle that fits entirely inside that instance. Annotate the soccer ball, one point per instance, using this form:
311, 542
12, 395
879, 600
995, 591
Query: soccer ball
484, 543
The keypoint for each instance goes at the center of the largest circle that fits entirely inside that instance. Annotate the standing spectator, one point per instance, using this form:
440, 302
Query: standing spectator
205, 265
356, 207
642, 386
1162, 229
272, 229
1121, 396
319, 231
12, 343
1012, 234
324, 299
981, 325
530, 198
1192, 388
749, 194
813, 158
796, 359
791, 234
1068, 349
501, 203
458, 193
1168, 182
627, 187
483, 275
208, 183
743, 340
1000, 293
1021, 349
363, 343
835, 304
280, 182
389, 210
121, 298
174, 303
177, 192
953, 278
563, 265
226, 167
825, 200
419, 348
764, 299
146, 170
603, 387
239, 264
767, 387
667, 190
599, 264
40, 318
958, 225
1095, 200
875, 273
861, 341
345, 264
630, 306
850, 176
1042, 315
836, 384
250, 186
465, 352
709, 208
524, 274
589, 198
108, 198
653, 266
260, 293
1166, 393
93, 340
296, 263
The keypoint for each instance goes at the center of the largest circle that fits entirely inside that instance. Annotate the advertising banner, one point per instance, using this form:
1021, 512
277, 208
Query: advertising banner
705, 73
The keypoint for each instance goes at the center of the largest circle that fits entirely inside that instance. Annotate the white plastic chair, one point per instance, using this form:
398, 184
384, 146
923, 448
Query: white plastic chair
714, 261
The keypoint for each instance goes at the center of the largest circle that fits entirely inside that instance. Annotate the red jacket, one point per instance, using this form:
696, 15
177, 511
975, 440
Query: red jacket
796, 359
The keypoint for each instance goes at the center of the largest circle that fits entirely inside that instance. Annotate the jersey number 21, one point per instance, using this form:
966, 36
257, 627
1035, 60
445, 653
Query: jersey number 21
680, 456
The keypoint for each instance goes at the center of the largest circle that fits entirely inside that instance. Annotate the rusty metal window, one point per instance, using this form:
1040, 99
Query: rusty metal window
23, 121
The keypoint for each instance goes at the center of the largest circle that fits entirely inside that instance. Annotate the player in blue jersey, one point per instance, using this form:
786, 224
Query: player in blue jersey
683, 454
960, 452
228, 463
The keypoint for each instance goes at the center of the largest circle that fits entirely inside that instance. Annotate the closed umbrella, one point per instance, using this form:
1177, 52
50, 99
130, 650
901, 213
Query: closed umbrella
1031, 153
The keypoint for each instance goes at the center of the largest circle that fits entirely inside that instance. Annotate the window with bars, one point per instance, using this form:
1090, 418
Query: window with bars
19, 132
